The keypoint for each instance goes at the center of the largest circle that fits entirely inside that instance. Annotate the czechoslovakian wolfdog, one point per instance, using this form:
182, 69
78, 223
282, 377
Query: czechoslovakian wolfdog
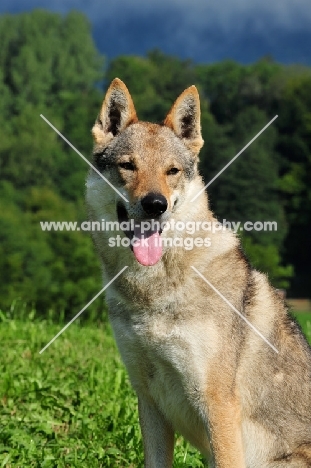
196, 366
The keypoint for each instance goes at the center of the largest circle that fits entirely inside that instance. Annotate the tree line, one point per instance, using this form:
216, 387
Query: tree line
49, 65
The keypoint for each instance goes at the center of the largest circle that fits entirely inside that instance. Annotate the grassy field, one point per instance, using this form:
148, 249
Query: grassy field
71, 406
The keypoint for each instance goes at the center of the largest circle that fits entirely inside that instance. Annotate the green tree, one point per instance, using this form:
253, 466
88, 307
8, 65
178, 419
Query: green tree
242, 99
43, 54
295, 146
51, 270
48, 65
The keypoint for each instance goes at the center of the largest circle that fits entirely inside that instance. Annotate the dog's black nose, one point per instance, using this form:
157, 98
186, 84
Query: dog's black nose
154, 204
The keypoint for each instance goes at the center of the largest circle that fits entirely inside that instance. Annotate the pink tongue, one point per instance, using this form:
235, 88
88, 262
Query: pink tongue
147, 247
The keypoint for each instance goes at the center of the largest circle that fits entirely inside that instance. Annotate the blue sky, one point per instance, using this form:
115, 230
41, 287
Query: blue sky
202, 30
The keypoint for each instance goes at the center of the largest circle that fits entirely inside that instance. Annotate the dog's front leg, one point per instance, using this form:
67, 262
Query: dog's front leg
158, 435
225, 430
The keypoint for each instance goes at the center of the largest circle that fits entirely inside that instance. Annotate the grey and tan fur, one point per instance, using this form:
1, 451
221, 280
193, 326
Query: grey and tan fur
195, 365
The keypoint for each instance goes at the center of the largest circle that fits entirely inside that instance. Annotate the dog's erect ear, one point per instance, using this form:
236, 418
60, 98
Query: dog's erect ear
117, 113
184, 119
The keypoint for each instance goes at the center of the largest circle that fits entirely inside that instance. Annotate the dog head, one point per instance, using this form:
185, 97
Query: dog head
150, 165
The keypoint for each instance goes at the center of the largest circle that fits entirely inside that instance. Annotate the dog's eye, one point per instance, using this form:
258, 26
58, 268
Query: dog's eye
173, 171
100, 161
128, 166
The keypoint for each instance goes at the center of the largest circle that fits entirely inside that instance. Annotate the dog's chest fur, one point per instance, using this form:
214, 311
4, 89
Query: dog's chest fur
167, 360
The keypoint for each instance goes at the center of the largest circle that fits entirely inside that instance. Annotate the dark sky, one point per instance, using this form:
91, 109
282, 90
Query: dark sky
202, 30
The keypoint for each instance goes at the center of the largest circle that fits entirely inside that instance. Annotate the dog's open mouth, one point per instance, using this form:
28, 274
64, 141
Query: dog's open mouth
145, 237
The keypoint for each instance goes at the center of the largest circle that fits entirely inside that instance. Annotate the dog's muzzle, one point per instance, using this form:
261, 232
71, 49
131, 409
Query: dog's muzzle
145, 240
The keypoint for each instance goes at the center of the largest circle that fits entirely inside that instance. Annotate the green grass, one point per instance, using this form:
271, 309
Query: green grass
72, 406
304, 320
